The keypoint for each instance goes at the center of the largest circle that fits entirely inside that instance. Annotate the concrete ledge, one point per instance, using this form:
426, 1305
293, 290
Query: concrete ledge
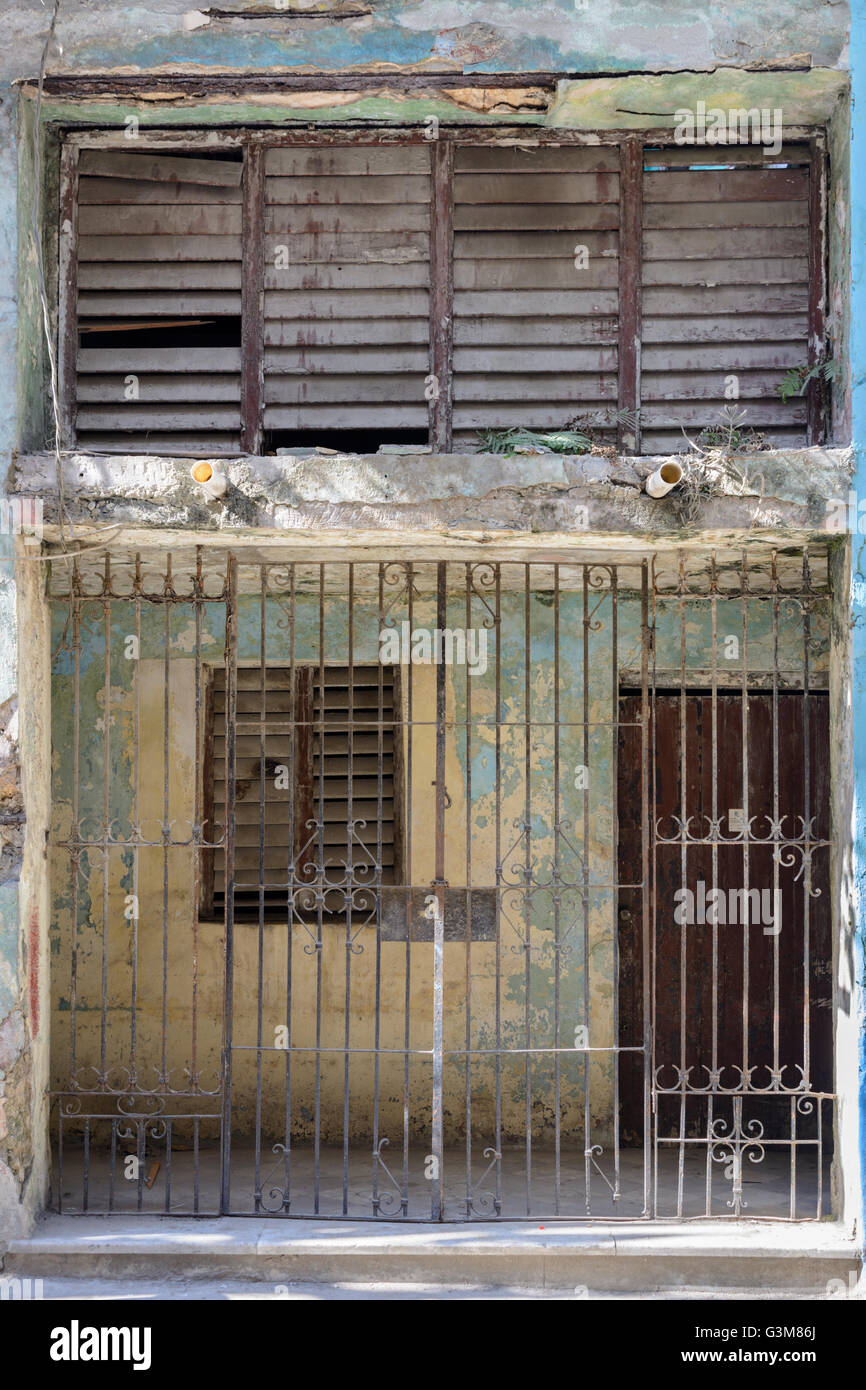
445, 494
796, 1259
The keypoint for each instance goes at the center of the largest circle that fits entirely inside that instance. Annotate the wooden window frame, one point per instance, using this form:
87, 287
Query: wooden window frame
304, 793
254, 142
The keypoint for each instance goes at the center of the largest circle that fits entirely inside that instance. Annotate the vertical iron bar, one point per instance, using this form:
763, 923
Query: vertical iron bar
744, 673
776, 828
166, 815
377, 1007
297, 840
439, 917
499, 878
350, 886
260, 943
614, 782
684, 812
320, 897
136, 852
557, 884
807, 818
587, 1117
467, 959
647, 905
231, 654
714, 810
407, 996
106, 828
76, 813
527, 878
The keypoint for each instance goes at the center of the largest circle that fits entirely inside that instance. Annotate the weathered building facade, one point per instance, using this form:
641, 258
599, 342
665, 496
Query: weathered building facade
407, 814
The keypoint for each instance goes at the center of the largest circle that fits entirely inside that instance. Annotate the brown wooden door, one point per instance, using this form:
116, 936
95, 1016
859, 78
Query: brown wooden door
736, 997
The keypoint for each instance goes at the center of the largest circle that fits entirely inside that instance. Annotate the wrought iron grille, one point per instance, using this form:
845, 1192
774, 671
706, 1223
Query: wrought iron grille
464, 819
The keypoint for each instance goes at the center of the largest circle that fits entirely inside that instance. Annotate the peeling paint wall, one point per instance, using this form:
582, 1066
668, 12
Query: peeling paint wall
503, 36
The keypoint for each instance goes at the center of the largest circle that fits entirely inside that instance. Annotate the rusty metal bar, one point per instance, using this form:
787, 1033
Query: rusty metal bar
231, 659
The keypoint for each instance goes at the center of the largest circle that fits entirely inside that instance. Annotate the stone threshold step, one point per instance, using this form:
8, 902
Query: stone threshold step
567, 1256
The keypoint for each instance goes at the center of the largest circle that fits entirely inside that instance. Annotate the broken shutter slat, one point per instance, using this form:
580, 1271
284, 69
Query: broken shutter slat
347, 265
525, 291
159, 293
725, 292
160, 168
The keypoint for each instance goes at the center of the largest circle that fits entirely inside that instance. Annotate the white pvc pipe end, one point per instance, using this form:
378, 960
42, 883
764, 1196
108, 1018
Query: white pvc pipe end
211, 480
658, 484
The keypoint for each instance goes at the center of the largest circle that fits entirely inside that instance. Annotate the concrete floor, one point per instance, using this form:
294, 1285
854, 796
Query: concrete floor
766, 1185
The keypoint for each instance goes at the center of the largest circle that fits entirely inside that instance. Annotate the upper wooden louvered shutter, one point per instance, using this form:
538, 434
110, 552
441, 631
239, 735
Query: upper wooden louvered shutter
346, 297
725, 290
535, 337
159, 300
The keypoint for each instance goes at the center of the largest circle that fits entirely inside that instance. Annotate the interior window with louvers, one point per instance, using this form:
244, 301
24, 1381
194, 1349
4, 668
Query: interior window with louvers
159, 302
318, 787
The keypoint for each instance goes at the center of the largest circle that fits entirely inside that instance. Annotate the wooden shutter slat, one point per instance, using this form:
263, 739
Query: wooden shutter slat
349, 161
158, 388
304, 333
699, 186
731, 328
531, 217
179, 275
779, 270
742, 216
321, 189
175, 304
146, 360
134, 247
173, 219
309, 219
361, 248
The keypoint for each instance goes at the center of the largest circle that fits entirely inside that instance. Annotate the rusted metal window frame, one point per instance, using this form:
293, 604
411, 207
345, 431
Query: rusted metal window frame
254, 142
